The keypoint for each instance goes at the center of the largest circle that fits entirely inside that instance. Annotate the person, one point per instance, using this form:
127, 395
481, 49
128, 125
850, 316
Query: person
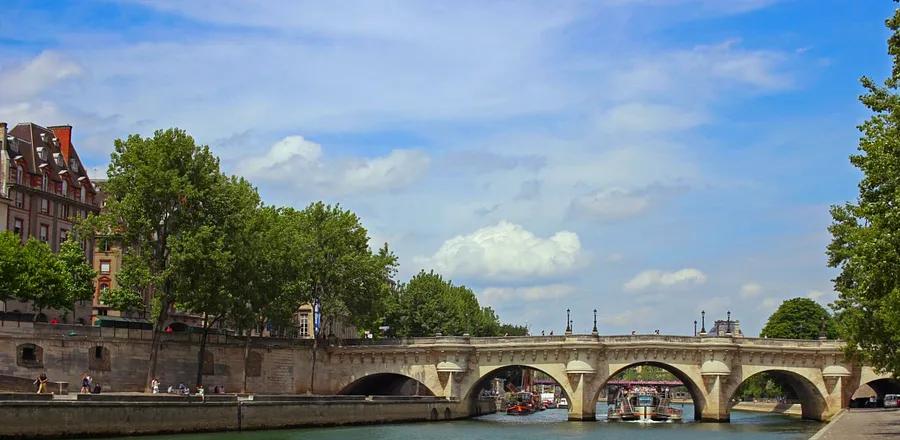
633, 332
183, 389
657, 331
154, 386
169, 329
41, 382
97, 388
200, 391
85, 384
171, 389
54, 321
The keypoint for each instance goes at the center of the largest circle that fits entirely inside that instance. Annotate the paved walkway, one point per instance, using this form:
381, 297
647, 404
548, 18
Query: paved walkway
862, 424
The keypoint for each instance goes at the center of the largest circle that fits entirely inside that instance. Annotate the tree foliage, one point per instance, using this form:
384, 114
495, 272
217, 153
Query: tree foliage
799, 318
866, 245
427, 305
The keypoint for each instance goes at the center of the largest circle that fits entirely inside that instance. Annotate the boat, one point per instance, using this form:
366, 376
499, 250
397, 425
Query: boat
643, 404
522, 406
563, 403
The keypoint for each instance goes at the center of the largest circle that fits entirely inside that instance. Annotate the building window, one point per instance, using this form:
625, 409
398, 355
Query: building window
99, 359
104, 245
45, 206
65, 188
20, 199
104, 266
63, 211
304, 325
83, 191
45, 182
19, 173
63, 235
44, 234
17, 227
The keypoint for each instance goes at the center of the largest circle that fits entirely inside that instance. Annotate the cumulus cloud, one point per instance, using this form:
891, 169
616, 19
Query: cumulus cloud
661, 279
494, 295
297, 160
750, 290
507, 251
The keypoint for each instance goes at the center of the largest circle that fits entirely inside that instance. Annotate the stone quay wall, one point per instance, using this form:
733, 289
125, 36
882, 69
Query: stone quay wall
55, 419
117, 359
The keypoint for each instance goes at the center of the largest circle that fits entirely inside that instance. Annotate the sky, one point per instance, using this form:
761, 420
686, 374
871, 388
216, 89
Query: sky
645, 158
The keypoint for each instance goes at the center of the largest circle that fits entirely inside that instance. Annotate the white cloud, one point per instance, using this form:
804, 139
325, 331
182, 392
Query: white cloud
750, 290
507, 251
499, 295
301, 162
770, 303
610, 204
658, 278
33, 77
635, 318
643, 117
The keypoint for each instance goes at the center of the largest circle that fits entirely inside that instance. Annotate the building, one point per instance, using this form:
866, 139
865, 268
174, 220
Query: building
724, 327
44, 189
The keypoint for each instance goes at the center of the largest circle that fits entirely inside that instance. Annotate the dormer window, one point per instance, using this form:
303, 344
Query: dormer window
65, 188
55, 141
13, 144
73, 165
60, 162
43, 137
43, 153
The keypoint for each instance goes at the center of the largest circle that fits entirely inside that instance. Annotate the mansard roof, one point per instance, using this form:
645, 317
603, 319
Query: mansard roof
29, 140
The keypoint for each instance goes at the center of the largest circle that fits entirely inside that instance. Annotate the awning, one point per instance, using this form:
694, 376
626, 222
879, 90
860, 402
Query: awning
123, 322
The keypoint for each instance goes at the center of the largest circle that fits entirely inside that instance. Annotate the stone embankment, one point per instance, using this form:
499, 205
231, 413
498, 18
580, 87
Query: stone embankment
869, 424
23, 416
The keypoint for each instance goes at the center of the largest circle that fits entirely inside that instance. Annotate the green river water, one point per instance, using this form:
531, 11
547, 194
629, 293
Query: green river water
546, 425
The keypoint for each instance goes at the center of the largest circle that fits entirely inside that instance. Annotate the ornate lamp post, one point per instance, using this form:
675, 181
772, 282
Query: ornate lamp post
568, 321
595, 332
703, 323
728, 322
695, 327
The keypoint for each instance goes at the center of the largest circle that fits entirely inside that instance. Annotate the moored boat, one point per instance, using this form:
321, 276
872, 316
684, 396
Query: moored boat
563, 403
643, 404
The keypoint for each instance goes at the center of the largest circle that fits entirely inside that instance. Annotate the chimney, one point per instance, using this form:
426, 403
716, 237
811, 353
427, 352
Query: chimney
64, 134
4, 162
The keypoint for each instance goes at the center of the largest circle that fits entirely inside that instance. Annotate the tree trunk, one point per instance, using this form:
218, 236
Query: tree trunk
200, 354
156, 341
312, 375
246, 360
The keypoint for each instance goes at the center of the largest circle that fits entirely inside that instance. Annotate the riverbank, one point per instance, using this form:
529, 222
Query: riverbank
792, 409
110, 415
874, 423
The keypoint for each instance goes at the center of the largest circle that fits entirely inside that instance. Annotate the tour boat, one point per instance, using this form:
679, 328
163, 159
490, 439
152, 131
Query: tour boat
643, 404
563, 403
522, 406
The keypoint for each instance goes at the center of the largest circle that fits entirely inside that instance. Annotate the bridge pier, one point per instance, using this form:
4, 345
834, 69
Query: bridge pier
582, 406
716, 408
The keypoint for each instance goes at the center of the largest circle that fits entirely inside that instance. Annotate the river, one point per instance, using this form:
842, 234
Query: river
546, 425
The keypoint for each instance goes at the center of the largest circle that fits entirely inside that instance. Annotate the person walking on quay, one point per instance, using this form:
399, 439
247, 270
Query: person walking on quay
154, 385
41, 382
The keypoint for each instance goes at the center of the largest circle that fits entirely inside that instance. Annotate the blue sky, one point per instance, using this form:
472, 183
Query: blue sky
647, 158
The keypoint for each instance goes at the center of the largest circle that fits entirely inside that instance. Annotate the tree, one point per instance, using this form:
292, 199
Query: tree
338, 272
428, 305
159, 189
799, 318
865, 245
10, 265
42, 281
77, 273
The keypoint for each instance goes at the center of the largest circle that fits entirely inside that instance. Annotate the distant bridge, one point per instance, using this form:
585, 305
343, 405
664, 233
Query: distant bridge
712, 368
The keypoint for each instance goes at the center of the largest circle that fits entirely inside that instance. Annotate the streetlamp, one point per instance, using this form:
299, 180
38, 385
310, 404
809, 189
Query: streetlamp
695, 327
728, 322
568, 321
703, 323
595, 332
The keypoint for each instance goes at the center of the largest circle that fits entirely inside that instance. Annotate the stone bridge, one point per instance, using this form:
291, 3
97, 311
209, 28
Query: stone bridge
712, 368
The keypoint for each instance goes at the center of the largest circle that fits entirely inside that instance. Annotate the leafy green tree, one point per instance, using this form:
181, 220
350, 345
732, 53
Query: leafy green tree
428, 305
865, 244
799, 318
133, 285
159, 188
512, 330
78, 274
10, 265
42, 280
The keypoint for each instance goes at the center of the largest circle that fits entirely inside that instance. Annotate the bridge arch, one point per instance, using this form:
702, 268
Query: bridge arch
697, 394
474, 388
812, 397
386, 384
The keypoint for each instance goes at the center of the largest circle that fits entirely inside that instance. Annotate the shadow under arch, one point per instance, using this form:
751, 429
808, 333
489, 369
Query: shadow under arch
475, 389
386, 384
812, 402
699, 401
880, 387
